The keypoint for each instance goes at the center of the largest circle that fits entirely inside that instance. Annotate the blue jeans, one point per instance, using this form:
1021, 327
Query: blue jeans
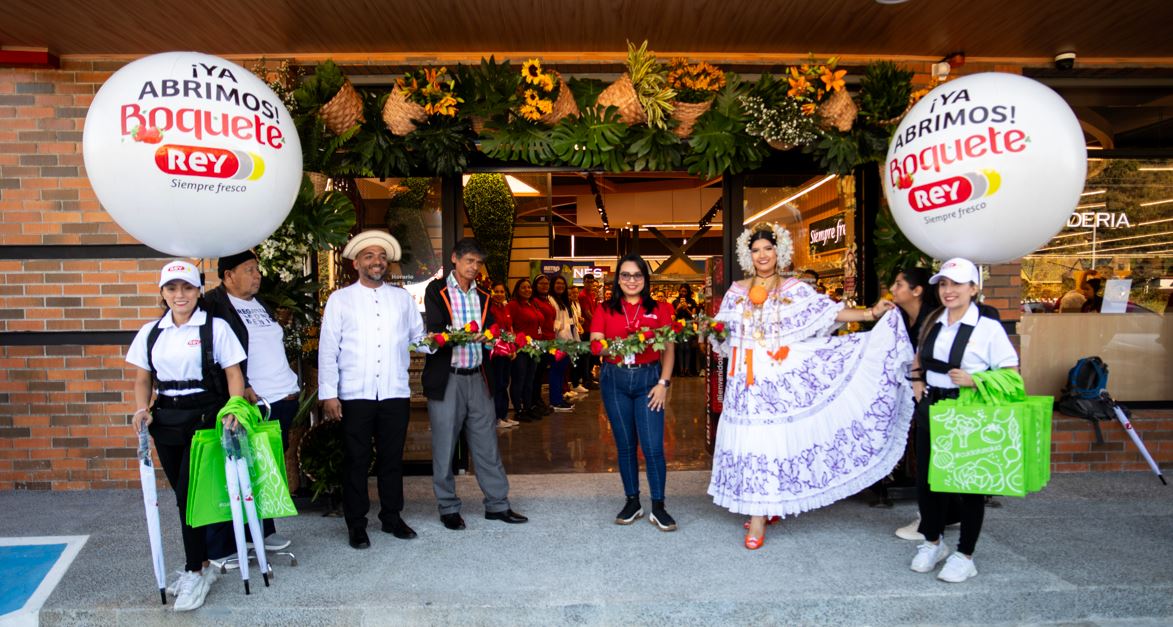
625, 397
557, 377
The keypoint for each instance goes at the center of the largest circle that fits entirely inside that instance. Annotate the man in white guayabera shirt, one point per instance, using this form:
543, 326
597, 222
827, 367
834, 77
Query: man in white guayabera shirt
362, 381
267, 374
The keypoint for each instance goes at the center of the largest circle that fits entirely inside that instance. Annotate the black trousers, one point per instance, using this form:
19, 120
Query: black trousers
540, 374
220, 536
938, 509
173, 443
523, 374
386, 422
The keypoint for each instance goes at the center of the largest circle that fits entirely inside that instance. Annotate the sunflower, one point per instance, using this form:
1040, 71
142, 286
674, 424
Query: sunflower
531, 97
546, 82
544, 105
532, 71
833, 79
530, 112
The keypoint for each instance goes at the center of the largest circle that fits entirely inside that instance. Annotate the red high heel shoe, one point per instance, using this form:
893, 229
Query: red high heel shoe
753, 543
769, 521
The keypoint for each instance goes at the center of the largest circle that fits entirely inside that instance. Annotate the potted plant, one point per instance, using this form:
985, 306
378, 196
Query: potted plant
543, 96
491, 208
696, 85
777, 118
489, 90
642, 94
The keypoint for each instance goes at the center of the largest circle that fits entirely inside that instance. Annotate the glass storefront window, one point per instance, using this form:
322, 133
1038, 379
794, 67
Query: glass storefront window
1121, 230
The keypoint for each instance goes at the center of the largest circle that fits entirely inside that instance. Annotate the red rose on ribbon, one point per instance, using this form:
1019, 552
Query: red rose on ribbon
473, 327
520, 339
439, 339
495, 329
719, 327
596, 347
677, 326
559, 355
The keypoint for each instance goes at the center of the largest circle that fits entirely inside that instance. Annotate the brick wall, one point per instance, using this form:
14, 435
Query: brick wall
1073, 447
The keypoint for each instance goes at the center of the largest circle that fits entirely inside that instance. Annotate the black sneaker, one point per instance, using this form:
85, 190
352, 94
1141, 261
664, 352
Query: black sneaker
630, 512
660, 517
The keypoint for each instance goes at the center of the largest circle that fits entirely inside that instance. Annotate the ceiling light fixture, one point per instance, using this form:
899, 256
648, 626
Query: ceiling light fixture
786, 200
516, 186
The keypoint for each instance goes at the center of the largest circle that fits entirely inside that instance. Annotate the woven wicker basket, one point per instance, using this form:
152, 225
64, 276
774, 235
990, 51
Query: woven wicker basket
838, 111
401, 114
563, 107
319, 182
343, 111
478, 124
622, 94
687, 113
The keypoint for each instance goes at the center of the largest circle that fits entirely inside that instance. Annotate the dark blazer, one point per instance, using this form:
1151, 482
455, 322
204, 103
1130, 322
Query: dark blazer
437, 318
219, 306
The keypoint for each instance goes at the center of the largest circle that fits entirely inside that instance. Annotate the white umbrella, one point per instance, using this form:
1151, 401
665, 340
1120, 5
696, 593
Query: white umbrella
146, 471
231, 473
1127, 424
250, 506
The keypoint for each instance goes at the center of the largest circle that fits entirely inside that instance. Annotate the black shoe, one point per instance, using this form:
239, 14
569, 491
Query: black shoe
452, 521
660, 517
508, 516
544, 410
523, 415
631, 511
359, 539
399, 529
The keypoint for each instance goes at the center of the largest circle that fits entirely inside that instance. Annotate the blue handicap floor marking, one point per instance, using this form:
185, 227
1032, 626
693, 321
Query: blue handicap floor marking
29, 570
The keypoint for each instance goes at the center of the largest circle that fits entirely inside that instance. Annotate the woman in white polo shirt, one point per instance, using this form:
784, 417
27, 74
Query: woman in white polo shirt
168, 356
956, 342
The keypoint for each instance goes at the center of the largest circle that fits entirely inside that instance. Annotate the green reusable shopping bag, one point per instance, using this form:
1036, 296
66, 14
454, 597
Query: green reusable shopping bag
207, 492
993, 439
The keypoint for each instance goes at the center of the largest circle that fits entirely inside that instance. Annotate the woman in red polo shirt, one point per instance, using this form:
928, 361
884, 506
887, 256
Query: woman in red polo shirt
635, 389
526, 318
541, 300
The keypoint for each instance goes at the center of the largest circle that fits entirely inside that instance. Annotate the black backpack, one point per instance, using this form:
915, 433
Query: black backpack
213, 379
1086, 393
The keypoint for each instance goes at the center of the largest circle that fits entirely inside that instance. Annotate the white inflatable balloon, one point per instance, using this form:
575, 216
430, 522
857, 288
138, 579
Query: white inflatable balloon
987, 167
191, 154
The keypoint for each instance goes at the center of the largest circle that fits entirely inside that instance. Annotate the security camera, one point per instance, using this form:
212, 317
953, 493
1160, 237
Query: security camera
1064, 60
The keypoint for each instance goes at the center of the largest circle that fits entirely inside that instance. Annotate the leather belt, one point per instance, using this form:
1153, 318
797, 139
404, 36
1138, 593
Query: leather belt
936, 394
634, 366
464, 370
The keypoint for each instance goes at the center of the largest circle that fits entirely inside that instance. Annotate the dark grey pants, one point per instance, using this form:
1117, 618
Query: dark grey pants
467, 405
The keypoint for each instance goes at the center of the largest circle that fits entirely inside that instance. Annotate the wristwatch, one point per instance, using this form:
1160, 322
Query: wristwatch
664, 382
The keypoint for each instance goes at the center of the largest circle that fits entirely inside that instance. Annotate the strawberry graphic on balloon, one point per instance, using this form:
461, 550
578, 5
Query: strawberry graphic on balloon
147, 134
905, 181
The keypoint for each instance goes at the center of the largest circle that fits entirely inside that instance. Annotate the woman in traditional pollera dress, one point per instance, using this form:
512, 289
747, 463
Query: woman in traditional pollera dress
808, 418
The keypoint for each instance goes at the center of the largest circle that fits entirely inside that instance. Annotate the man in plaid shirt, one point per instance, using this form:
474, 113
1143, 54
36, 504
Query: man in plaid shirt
457, 385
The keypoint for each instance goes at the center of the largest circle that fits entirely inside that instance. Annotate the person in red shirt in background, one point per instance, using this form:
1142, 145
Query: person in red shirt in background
526, 318
588, 301
502, 355
541, 299
635, 389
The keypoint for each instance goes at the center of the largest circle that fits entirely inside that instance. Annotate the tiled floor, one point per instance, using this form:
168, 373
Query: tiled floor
580, 441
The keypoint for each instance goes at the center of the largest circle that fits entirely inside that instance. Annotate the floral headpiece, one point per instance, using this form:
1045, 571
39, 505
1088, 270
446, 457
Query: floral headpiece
782, 243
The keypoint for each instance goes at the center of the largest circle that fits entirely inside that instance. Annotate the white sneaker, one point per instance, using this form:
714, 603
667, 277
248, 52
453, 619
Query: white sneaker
191, 590
909, 531
957, 569
928, 555
509, 422
174, 585
581, 390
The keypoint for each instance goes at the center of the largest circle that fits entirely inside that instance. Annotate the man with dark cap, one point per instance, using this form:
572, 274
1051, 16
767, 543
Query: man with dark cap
266, 371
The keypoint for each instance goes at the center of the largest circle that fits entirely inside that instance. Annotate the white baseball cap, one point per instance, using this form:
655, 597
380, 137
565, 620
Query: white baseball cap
179, 269
958, 270
374, 237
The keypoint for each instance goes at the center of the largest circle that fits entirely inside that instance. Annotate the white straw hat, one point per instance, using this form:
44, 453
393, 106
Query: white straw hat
366, 239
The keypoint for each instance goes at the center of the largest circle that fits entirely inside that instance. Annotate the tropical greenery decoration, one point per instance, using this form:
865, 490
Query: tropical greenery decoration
315, 223
431, 88
651, 84
517, 116
894, 252
592, 140
699, 82
719, 140
490, 208
488, 90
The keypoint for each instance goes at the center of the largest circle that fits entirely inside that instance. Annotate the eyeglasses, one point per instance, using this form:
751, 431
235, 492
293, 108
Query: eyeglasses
629, 276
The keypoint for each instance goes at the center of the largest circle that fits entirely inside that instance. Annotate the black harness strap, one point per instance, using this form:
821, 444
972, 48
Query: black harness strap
956, 352
213, 376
